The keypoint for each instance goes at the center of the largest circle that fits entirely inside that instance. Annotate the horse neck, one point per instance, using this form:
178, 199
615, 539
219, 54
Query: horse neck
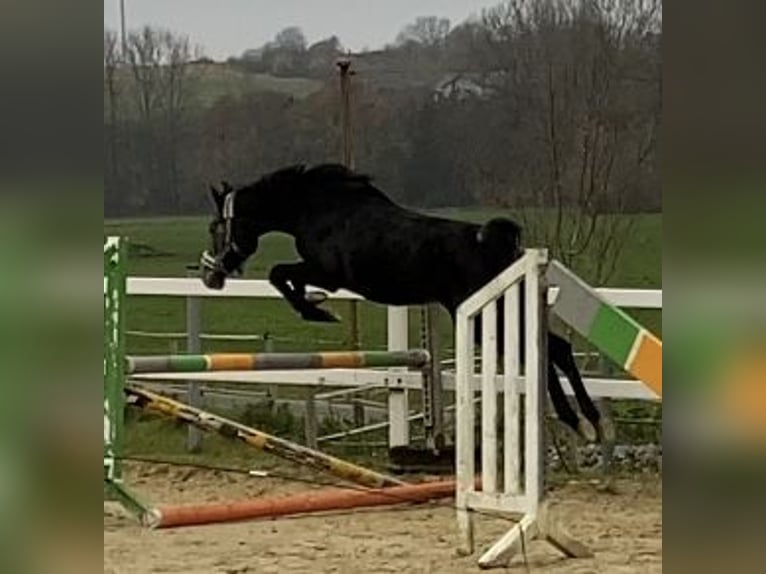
283, 215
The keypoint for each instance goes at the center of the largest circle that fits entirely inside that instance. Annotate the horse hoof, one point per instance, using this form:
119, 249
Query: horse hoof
316, 297
587, 431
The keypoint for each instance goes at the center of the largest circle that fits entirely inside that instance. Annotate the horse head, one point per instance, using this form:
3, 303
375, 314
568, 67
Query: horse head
231, 240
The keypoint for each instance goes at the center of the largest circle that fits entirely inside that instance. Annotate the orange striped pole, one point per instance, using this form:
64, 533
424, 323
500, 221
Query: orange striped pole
416, 358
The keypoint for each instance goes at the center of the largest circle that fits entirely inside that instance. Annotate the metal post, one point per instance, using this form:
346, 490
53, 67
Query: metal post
398, 403
433, 396
193, 346
607, 442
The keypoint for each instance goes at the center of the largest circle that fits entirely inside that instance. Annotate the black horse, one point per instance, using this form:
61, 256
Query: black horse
351, 236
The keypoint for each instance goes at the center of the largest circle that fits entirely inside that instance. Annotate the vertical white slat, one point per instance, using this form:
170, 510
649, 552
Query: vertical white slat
489, 398
535, 374
398, 403
511, 372
465, 427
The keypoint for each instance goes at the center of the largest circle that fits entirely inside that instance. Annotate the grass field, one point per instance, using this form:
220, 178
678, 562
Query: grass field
164, 247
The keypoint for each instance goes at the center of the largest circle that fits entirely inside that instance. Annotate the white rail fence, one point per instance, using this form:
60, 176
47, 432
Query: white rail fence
397, 382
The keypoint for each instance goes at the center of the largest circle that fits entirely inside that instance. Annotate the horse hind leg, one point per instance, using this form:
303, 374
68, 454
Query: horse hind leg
290, 279
560, 353
564, 410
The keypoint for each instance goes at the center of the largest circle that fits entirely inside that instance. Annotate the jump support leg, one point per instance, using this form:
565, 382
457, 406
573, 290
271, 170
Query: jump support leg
117, 492
529, 528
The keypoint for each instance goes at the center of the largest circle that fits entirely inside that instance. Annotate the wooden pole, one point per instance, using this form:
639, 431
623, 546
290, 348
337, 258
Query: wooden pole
347, 142
303, 503
347, 158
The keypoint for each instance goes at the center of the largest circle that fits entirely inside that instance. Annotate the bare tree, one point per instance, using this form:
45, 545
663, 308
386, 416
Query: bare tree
291, 38
163, 84
178, 82
584, 102
112, 54
145, 56
425, 30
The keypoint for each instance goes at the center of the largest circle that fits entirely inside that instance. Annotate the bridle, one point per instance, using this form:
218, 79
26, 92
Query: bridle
231, 258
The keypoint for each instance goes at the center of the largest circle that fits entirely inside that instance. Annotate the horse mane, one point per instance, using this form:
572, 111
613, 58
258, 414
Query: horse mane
333, 177
335, 172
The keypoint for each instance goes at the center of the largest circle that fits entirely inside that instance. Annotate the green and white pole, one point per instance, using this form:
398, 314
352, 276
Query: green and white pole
115, 256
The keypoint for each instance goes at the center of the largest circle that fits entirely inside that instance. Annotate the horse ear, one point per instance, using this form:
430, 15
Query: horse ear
217, 196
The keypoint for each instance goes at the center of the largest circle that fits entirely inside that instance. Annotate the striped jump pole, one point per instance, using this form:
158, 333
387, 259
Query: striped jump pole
613, 331
417, 358
282, 448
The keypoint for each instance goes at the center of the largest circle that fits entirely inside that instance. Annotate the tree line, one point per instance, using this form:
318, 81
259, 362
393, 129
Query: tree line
548, 104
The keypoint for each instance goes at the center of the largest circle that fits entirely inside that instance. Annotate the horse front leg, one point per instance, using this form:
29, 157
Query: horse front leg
291, 279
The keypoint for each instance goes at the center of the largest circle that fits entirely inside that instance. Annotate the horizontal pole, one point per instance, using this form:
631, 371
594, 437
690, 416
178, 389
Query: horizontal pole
262, 289
610, 388
274, 361
303, 503
191, 287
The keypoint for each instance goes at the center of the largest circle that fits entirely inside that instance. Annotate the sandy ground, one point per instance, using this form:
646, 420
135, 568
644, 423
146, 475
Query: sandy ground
624, 530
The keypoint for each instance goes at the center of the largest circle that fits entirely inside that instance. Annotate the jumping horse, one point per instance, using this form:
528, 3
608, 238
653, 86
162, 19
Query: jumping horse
350, 235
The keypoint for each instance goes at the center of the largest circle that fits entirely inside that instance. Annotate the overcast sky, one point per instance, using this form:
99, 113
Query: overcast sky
227, 27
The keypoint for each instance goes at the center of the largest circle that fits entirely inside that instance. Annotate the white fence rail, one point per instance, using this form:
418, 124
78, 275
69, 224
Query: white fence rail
396, 381
262, 289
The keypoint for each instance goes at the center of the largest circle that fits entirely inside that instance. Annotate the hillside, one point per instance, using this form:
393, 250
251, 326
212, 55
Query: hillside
209, 82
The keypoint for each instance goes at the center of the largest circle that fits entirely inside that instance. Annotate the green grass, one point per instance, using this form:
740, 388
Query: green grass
219, 80
165, 246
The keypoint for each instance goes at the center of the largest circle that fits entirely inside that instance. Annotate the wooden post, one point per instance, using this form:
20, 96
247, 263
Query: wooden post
347, 157
272, 391
193, 346
464, 449
511, 372
347, 144
489, 399
358, 409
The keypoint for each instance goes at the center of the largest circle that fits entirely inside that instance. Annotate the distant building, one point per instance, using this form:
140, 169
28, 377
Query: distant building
467, 85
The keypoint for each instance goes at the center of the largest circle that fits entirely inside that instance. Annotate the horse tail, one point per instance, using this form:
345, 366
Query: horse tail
500, 240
